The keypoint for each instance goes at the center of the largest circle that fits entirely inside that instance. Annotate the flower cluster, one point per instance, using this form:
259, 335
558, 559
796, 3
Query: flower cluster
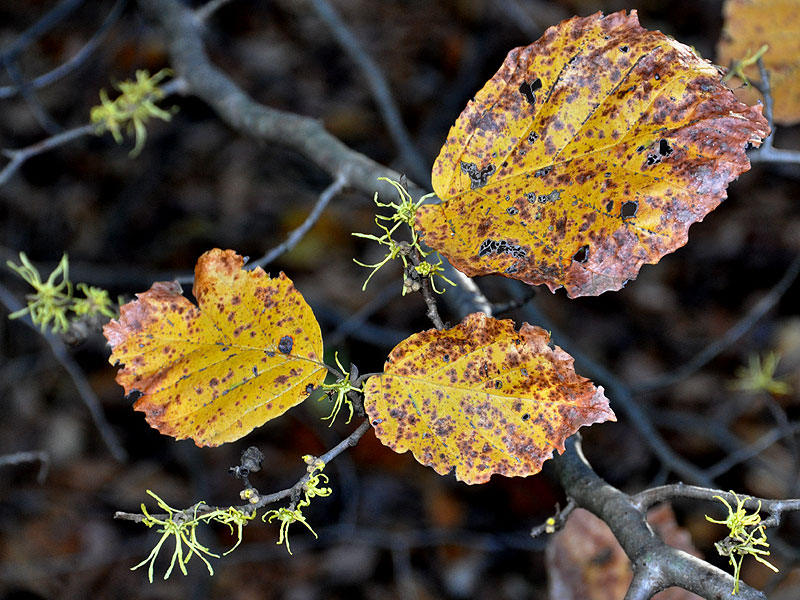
312, 488
132, 108
182, 525
404, 212
52, 299
759, 376
747, 536
338, 392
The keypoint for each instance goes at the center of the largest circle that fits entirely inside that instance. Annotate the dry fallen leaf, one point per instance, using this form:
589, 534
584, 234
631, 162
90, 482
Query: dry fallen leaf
247, 353
481, 398
588, 154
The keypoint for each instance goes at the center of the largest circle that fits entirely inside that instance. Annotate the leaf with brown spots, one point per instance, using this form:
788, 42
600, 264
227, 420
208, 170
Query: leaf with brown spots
246, 354
748, 25
481, 397
588, 154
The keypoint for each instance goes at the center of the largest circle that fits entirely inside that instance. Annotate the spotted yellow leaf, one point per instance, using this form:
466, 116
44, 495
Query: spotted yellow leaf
588, 154
250, 350
481, 398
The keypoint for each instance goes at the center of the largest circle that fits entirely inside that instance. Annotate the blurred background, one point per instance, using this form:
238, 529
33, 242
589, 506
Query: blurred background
392, 528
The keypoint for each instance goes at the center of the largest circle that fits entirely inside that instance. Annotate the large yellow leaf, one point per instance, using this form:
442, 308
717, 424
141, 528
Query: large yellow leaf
748, 25
247, 353
481, 397
589, 153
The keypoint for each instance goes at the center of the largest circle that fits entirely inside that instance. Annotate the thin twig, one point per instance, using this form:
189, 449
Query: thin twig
350, 441
379, 88
643, 500
297, 234
559, 520
39, 112
750, 451
621, 396
203, 13
514, 303
87, 394
710, 352
8, 58
425, 288
430, 301
73, 62
768, 153
50, 19
18, 458
18, 157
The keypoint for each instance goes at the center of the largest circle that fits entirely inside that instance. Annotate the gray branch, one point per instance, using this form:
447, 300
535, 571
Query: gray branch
307, 136
656, 566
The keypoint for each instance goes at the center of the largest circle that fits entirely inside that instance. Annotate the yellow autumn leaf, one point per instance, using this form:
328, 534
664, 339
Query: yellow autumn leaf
750, 24
247, 353
588, 154
481, 398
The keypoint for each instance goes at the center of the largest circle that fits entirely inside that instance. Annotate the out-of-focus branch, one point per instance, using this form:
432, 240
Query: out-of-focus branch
18, 157
85, 390
209, 8
50, 19
73, 62
752, 450
20, 458
710, 352
183, 32
39, 112
409, 155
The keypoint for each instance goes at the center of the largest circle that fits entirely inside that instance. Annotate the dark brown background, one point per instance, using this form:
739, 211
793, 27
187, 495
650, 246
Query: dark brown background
392, 528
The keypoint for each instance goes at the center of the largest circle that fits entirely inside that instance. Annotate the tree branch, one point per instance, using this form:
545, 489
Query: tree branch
305, 135
263, 500
297, 234
776, 508
379, 88
87, 394
656, 566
